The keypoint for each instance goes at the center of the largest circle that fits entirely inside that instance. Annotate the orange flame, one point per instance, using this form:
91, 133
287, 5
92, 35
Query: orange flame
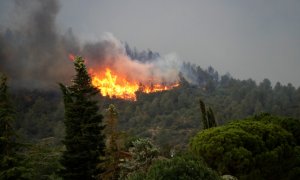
112, 85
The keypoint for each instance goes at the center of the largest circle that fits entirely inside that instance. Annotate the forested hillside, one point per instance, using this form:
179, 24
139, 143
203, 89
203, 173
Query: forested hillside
168, 117
157, 135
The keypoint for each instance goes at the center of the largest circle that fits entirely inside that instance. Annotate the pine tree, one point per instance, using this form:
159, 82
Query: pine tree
84, 140
112, 150
10, 159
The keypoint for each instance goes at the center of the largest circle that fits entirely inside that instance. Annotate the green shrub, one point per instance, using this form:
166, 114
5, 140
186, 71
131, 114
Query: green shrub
248, 149
177, 168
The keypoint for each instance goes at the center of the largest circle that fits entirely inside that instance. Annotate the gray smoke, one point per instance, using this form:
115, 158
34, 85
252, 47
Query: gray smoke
33, 53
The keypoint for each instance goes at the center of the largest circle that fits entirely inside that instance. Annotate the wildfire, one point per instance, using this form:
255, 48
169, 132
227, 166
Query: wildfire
112, 85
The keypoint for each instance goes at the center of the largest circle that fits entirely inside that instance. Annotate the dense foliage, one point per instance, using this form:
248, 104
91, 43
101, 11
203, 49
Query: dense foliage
177, 168
42, 160
251, 148
292, 125
143, 154
10, 157
84, 140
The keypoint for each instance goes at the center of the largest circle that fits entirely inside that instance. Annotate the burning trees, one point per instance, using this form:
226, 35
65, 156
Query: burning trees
84, 140
112, 84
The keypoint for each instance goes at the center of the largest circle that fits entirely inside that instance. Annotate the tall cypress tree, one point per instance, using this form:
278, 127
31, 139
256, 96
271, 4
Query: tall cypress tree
208, 117
10, 159
84, 140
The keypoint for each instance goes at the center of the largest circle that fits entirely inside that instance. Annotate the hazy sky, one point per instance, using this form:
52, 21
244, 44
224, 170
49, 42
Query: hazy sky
249, 39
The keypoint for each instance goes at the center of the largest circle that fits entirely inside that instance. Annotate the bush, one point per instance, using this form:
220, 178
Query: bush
292, 125
177, 168
248, 149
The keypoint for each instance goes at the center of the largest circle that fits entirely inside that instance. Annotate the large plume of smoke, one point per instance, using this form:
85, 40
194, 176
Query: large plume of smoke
110, 52
34, 54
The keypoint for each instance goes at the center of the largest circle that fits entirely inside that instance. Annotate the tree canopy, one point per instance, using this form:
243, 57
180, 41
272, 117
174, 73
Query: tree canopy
250, 149
180, 167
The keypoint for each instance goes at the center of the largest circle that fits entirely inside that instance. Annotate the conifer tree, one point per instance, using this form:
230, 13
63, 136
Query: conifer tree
208, 117
10, 167
84, 140
204, 115
112, 150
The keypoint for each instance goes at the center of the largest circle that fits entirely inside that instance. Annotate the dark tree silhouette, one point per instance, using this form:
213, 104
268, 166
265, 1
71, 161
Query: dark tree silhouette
84, 140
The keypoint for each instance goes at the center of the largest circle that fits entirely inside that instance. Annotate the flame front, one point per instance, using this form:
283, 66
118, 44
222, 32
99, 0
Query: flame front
112, 85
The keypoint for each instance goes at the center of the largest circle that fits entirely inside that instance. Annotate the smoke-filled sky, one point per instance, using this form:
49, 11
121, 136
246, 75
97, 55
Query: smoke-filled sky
249, 39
